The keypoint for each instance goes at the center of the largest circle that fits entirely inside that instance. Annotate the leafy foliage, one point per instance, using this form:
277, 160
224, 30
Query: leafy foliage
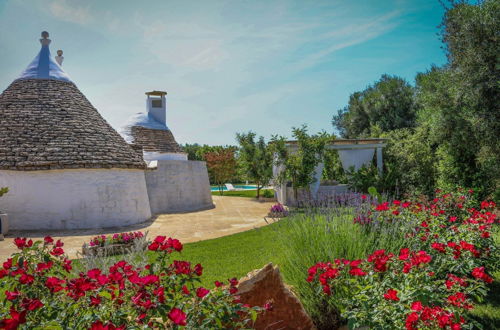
300, 160
445, 131
256, 158
385, 106
221, 166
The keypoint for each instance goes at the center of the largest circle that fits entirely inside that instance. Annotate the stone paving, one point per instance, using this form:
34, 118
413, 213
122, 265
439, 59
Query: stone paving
230, 215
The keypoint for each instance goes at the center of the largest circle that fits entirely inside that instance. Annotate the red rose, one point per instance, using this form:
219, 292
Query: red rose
185, 290
54, 284
15, 320
218, 284
153, 246
12, 295
57, 251
201, 292
416, 306
198, 269
26, 279
48, 240
95, 301
31, 304
177, 316
391, 295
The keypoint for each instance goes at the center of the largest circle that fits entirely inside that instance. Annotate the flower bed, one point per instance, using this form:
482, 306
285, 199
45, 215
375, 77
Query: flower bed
432, 282
107, 245
41, 290
277, 211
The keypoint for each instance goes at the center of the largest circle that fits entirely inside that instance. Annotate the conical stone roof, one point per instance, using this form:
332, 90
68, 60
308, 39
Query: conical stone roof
144, 131
47, 123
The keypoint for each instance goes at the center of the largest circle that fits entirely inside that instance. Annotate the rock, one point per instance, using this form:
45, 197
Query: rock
264, 285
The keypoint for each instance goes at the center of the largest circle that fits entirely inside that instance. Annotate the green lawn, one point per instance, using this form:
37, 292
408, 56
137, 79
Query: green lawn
234, 255
242, 193
488, 313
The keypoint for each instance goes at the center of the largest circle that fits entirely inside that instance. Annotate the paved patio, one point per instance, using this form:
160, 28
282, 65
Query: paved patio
230, 215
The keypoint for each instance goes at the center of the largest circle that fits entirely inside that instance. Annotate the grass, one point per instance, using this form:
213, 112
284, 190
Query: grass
488, 312
242, 193
234, 255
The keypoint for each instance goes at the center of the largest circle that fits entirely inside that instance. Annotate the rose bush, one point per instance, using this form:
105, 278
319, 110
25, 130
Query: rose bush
39, 290
431, 283
119, 238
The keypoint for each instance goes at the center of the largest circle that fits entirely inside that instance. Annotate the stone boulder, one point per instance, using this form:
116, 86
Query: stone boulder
266, 285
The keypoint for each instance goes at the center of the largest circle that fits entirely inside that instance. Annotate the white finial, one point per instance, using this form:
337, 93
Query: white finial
59, 58
45, 41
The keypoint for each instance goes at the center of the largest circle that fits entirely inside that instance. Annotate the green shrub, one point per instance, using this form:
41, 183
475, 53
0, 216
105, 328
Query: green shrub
268, 193
325, 235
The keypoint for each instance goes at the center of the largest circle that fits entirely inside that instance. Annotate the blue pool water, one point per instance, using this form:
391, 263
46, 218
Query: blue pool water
244, 187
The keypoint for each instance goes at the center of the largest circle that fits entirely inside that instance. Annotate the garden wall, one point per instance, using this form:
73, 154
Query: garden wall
74, 198
305, 195
178, 186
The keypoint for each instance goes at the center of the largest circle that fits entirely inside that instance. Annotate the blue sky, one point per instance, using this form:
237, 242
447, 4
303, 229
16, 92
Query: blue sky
228, 66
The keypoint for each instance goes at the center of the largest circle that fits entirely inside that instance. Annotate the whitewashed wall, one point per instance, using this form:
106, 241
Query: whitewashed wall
178, 186
71, 199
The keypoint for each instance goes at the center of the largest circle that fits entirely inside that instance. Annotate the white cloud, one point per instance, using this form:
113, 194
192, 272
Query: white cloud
70, 11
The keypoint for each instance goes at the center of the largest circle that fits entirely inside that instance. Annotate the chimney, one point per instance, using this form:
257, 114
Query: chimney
156, 105
59, 58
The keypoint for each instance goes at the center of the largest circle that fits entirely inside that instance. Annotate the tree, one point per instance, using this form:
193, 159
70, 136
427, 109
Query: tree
256, 159
221, 165
300, 162
386, 105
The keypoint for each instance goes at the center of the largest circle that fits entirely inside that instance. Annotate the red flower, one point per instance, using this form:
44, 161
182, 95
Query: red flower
177, 316
44, 266
154, 246
31, 304
404, 254
416, 306
357, 272
67, 265
198, 269
26, 279
54, 284
48, 240
12, 295
439, 247
406, 204
57, 251
391, 295
95, 301
159, 239
382, 207
15, 320
185, 290
22, 243
218, 284
98, 325
411, 320
479, 273
202, 292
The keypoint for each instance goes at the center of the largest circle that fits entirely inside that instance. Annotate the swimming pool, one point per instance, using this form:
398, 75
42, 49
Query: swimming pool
237, 186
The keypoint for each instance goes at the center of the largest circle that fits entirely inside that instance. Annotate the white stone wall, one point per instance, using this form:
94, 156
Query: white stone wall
178, 186
71, 199
303, 194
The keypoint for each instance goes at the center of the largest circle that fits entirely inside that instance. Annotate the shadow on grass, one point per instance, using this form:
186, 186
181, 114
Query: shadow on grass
488, 313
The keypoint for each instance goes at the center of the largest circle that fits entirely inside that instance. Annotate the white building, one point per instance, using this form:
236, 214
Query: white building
174, 183
67, 168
